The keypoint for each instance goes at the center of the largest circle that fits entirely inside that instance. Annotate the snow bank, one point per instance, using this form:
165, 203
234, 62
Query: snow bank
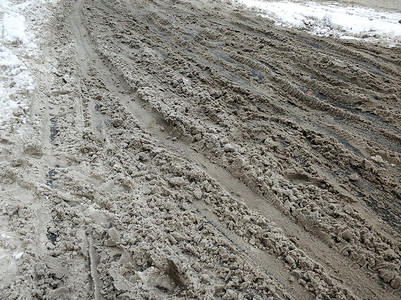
14, 28
20, 23
331, 20
16, 81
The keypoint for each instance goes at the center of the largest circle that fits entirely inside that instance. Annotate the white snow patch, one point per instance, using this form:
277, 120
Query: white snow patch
331, 20
14, 28
4, 236
20, 21
17, 255
16, 81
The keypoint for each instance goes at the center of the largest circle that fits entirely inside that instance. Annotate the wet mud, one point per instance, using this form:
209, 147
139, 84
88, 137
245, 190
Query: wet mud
193, 150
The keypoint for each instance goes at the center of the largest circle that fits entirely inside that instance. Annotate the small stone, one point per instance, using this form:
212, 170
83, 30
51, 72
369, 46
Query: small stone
354, 177
347, 235
176, 181
287, 205
314, 214
290, 261
198, 193
239, 162
230, 294
390, 253
296, 273
229, 148
377, 158
172, 240
386, 275
146, 189
396, 282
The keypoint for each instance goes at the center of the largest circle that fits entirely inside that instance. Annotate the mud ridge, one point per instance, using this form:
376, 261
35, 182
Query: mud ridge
192, 150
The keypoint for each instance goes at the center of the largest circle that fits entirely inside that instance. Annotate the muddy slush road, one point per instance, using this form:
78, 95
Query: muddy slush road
192, 150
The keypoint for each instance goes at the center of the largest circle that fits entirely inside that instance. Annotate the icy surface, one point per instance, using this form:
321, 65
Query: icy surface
331, 20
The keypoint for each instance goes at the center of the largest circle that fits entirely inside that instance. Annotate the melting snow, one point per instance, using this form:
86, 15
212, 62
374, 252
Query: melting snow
331, 20
16, 81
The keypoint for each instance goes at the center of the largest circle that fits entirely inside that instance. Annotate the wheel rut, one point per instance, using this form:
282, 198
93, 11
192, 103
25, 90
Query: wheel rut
191, 150
166, 136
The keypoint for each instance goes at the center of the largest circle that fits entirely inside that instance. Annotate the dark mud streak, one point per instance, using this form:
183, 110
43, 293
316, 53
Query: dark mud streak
53, 128
51, 178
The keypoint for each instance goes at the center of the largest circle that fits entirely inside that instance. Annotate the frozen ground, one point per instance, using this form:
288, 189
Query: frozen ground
342, 21
195, 150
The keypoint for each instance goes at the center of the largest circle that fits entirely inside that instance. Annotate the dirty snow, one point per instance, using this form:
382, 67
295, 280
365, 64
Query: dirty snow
229, 177
20, 22
348, 22
16, 81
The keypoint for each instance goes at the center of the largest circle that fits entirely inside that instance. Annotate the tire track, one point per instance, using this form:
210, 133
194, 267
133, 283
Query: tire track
200, 152
177, 119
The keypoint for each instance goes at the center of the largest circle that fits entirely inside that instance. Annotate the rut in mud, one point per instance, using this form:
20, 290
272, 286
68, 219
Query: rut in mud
191, 150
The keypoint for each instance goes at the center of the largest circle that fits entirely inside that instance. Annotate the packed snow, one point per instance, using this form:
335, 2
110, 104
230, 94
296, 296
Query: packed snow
346, 22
